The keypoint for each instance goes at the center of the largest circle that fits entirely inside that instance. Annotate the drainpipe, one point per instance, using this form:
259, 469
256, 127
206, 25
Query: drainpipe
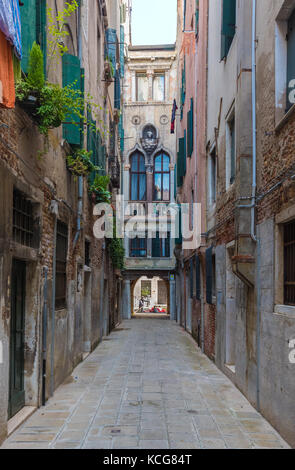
101, 291
254, 185
254, 130
54, 209
80, 209
44, 337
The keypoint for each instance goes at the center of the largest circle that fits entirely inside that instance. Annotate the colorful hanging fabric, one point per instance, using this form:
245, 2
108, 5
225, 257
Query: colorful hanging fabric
7, 89
10, 24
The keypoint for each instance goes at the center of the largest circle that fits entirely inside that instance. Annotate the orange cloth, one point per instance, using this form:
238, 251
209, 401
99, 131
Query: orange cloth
7, 89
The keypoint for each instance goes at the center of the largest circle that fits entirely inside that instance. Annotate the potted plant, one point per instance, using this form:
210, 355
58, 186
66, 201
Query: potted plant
99, 189
109, 70
80, 163
47, 103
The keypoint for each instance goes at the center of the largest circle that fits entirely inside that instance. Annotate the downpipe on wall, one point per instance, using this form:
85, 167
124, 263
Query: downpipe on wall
44, 336
80, 210
54, 211
254, 187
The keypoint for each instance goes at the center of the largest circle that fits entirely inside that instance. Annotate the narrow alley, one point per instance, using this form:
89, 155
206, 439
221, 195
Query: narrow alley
146, 386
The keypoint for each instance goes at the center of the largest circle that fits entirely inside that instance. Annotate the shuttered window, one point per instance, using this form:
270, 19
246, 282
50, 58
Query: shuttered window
209, 275
197, 17
228, 29
190, 129
33, 25
181, 161
95, 145
72, 75
122, 51
290, 58
117, 103
111, 46
41, 28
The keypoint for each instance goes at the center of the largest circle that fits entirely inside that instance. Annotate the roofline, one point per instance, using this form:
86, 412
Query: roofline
159, 47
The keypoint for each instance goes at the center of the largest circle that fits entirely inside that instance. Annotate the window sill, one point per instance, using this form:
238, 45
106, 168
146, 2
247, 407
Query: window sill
285, 119
286, 310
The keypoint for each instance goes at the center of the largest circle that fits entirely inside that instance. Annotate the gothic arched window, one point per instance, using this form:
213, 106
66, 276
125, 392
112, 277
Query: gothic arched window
137, 177
162, 177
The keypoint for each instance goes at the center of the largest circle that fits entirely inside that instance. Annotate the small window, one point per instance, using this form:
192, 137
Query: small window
212, 177
289, 263
228, 29
23, 221
61, 265
137, 178
161, 246
231, 151
159, 87
142, 88
162, 178
138, 248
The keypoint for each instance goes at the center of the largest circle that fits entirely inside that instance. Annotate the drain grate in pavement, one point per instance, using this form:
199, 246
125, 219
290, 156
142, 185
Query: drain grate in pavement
115, 431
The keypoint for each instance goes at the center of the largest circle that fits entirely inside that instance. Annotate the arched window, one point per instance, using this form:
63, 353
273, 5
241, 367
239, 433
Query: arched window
137, 178
162, 178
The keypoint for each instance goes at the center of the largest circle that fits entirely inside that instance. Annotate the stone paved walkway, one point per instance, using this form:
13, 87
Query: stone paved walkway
146, 386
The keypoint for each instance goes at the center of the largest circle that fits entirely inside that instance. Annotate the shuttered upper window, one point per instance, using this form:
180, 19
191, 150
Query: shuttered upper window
72, 74
33, 23
228, 28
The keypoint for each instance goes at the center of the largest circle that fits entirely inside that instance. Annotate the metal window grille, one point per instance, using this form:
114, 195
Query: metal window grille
289, 263
23, 221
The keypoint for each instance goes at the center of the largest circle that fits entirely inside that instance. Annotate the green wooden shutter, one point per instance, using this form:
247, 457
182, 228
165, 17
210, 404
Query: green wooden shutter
28, 25
198, 278
228, 29
71, 75
197, 17
41, 29
122, 51
209, 274
175, 181
290, 58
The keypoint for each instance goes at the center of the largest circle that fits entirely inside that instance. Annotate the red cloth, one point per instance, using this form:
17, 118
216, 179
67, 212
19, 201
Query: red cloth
7, 89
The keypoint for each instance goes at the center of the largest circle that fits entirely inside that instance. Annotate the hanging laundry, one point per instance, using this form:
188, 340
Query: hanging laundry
7, 90
10, 24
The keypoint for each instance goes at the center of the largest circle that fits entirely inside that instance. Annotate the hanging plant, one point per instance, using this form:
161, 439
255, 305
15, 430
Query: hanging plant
99, 189
80, 163
116, 249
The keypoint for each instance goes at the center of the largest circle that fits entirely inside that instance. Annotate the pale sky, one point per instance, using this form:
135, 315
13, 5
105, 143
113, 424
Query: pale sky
154, 22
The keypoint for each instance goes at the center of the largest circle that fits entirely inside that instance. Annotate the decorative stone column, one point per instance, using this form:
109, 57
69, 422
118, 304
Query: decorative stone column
126, 307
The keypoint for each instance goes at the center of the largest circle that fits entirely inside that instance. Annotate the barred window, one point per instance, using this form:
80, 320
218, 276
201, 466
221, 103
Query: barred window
61, 265
289, 263
23, 221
